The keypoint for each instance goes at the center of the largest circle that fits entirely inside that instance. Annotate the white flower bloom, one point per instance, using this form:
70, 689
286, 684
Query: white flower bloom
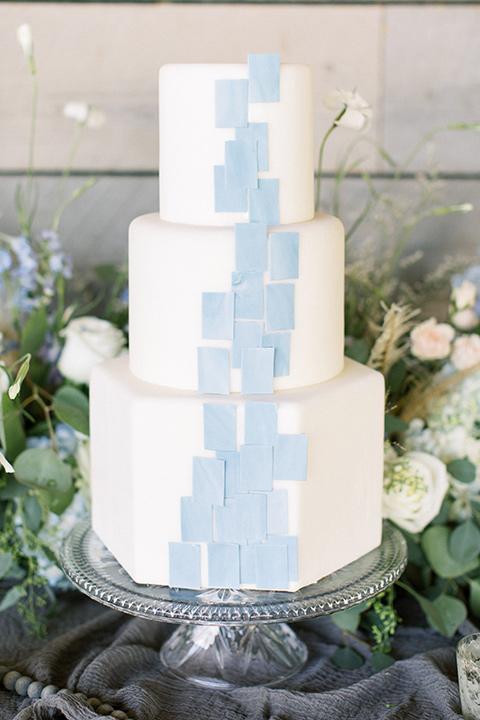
465, 319
78, 111
464, 295
96, 118
24, 37
358, 113
466, 352
432, 340
88, 340
414, 488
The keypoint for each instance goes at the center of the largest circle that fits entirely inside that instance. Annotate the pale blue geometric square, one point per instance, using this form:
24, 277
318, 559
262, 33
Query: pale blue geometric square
227, 199
219, 426
259, 133
196, 520
213, 370
208, 480
248, 574
223, 565
217, 315
248, 290
224, 522
250, 247
291, 541
263, 204
260, 423
279, 306
232, 470
280, 341
291, 457
256, 468
283, 252
277, 512
272, 567
250, 517
231, 103
257, 371
184, 565
246, 334
241, 164
264, 78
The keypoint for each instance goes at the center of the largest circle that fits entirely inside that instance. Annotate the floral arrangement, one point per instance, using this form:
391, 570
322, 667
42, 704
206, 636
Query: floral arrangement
56, 326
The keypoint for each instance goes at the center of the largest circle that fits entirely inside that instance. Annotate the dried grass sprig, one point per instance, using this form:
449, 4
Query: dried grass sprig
391, 344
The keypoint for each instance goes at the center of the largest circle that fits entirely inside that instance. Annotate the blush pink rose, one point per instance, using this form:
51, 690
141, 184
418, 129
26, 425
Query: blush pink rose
466, 352
432, 340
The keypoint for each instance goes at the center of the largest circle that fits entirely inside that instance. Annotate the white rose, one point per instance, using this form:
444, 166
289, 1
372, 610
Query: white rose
431, 340
88, 340
464, 295
466, 352
414, 488
465, 319
358, 113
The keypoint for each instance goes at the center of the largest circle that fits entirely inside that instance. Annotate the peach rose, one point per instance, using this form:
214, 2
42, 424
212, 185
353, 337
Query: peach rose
466, 351
432, 340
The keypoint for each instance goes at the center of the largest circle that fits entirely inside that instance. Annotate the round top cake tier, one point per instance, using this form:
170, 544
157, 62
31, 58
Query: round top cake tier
203, 110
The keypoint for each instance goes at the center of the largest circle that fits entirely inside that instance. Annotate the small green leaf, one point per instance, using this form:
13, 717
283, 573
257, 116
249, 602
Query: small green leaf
33, 335
32, 512
347, 620
6, 561
444, 614
15, 388
464, 544
11, 597
71, 407
347, 659
42, 468
394, 424
462, 470
435, 544
358, 351
14, 434
58, 502
396, 376
11, 488
380, 661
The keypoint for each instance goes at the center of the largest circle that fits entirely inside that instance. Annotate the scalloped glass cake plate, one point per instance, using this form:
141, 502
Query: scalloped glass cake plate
243, 638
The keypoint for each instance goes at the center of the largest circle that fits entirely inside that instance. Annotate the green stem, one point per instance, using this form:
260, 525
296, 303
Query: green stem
26, 220
79, 127
320, 156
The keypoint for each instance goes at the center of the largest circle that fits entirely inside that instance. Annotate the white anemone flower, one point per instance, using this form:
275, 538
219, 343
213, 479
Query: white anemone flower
357, 112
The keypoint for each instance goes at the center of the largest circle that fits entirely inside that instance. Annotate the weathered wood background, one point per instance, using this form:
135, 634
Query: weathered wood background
417, 64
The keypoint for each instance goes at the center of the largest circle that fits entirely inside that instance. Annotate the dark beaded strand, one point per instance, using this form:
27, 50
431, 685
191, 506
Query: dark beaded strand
27, 687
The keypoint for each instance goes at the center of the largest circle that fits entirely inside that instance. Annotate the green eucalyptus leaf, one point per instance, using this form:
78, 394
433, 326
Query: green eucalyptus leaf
380, 661
6, 562
13, 432
435, 544
464, 544
71, 407
396, 376
11, 597
462, 470
11, 488
33, 335
347, 620
358, 350
58, 502
32, 513
449, 613
42, 468
394, 424
347, 658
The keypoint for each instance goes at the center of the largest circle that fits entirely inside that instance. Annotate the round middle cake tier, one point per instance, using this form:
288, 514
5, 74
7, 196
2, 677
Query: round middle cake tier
178, 271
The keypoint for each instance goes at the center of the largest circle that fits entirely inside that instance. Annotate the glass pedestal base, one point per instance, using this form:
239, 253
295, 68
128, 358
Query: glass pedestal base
230, 638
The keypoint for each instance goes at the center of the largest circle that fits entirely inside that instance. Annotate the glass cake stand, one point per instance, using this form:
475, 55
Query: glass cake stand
230, 638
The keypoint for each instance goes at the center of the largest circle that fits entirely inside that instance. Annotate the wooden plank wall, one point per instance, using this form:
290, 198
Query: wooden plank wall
418, 66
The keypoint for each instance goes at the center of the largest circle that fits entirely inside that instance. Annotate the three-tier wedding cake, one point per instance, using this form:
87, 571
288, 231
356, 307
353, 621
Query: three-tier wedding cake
235, 446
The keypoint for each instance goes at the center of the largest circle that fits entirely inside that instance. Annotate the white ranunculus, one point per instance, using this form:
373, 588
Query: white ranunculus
88, 340
465, 319
432, 340
358, 113
466, 352
24, 37
414, 488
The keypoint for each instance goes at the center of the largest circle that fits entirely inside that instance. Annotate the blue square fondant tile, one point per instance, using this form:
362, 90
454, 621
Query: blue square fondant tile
250, 247
272, 566
290, 457
227, 199
256, 468
250, 517
279, 307
246, 334
241, 164
208, 480
232, 471
248, 290
196, 519
248, 574
184, 565
217, 315
257, 371
223, 565
280, 341
260, 423
263, 202
277, 512
213, 370
291, 541
231, 103
219, 426
259, 133
283, 255
224, 522
264, 78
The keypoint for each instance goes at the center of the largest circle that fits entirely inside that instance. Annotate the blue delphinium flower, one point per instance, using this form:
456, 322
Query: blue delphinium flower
5, 260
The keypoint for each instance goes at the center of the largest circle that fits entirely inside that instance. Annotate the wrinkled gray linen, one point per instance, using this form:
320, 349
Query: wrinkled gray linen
107, 654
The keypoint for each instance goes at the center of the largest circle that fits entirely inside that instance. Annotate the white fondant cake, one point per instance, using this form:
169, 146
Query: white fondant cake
235, 447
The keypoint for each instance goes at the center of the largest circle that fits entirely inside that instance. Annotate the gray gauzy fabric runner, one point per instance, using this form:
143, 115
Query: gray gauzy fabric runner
114, 657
